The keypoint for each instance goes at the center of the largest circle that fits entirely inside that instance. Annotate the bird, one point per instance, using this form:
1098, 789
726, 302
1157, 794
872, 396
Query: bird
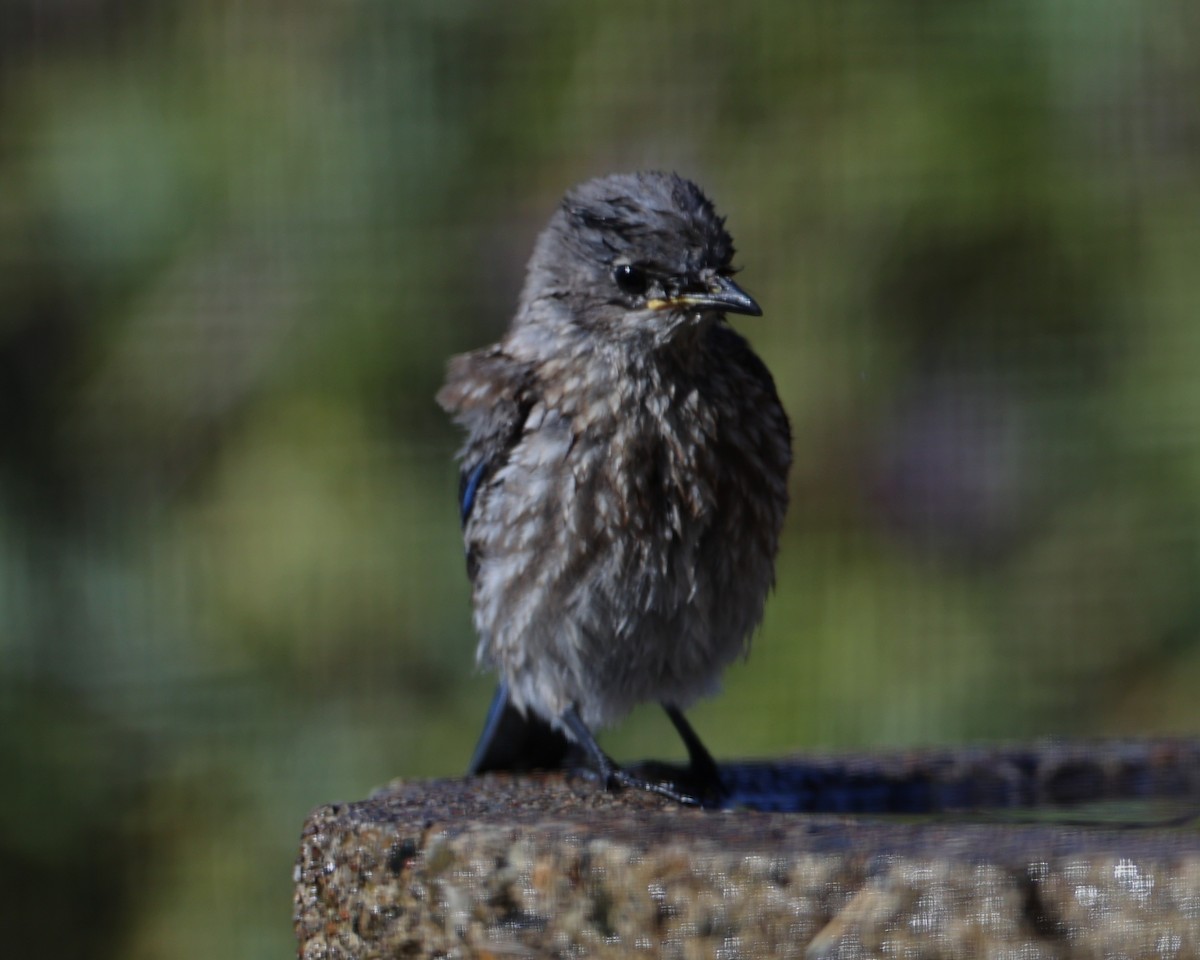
623, 481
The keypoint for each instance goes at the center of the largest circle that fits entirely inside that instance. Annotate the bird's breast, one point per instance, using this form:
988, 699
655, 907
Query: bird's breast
645, 461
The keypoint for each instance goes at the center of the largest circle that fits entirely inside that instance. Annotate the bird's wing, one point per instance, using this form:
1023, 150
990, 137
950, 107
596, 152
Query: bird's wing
490, 394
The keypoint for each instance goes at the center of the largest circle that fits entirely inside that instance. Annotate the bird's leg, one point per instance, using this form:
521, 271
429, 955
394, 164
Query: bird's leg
606, 769
703, 767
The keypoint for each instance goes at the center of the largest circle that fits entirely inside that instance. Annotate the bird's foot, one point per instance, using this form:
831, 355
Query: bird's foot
698, 785
680, 784
704, 787
625, 780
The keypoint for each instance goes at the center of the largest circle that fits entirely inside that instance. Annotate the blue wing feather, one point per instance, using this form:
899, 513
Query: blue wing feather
468, 487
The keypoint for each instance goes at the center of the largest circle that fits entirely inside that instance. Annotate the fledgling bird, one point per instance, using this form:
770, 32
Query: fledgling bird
624, 477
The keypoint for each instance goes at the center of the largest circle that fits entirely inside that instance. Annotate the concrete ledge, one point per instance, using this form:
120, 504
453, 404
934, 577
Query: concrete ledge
544, 865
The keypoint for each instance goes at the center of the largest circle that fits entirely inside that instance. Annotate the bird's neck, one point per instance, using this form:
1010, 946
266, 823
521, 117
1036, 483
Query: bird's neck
594, 381
560, 345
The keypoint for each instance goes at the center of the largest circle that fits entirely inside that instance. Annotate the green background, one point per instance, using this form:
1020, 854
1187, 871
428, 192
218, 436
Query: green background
239, 241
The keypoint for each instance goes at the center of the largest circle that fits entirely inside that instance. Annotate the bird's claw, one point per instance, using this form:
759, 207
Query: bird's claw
623, 779
674, 784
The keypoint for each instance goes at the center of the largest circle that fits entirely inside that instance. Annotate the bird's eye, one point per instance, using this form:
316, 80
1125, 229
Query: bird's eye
631, 279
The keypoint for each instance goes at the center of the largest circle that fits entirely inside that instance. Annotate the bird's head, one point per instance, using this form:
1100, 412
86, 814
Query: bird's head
635, 258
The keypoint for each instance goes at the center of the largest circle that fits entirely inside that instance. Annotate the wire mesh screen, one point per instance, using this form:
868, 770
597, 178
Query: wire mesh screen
239, 241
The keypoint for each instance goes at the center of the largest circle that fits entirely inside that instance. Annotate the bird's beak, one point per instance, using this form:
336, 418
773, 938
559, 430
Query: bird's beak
722, 294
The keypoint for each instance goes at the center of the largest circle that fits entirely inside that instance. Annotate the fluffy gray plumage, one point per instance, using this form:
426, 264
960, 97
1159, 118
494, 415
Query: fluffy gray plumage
625, 468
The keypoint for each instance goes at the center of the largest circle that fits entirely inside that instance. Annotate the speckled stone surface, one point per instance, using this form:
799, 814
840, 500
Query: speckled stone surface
548, 866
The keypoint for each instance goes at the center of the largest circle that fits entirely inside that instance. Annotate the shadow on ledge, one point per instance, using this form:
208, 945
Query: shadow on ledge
547, 865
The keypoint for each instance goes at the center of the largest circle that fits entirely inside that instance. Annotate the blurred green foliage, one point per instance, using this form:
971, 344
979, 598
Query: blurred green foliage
238, 242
